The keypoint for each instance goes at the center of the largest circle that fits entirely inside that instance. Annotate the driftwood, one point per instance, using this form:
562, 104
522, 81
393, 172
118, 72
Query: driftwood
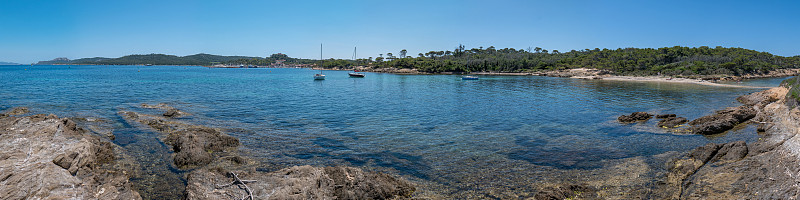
236, 180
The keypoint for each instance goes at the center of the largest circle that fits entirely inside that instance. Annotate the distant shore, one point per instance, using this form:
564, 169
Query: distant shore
596, 74
662, 79
579, 73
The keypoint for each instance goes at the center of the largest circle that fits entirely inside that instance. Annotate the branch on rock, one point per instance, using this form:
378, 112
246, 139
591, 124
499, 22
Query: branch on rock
236, 180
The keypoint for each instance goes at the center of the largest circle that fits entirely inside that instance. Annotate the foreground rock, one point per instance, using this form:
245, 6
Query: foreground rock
46, 157
766, 169
722, 120
299, 182
634, 117
566, 192
719, 154
213, 156
194, 145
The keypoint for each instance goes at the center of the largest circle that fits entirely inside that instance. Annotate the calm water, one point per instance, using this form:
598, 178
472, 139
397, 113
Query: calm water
423, 127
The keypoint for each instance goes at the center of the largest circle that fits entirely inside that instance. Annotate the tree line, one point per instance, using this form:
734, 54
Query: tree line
675, 60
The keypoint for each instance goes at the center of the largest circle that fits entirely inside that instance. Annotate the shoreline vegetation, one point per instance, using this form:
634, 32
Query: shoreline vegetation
86, 164
662, 64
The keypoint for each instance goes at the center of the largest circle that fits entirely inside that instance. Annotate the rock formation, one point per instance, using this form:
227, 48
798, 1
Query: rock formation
634, 117
664, 116
672, 122
722, 120
766, 169
194, 145
46, 157
217, 169
299, 182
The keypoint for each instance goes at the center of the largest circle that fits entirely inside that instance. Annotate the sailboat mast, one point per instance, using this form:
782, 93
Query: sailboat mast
320, 58
354, 53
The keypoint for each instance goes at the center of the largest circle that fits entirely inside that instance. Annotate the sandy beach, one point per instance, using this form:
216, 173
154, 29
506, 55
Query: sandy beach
669, 80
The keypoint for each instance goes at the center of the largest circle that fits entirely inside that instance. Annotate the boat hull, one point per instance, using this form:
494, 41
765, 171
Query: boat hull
356, 75
319, 77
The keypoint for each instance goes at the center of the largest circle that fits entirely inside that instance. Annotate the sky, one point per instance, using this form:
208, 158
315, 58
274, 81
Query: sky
35, 30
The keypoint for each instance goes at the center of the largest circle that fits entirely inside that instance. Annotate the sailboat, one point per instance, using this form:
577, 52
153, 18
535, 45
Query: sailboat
320, 76
355, 73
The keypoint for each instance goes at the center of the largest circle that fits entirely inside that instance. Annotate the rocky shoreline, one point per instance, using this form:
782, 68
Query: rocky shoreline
766, 169
46, 157
43, 156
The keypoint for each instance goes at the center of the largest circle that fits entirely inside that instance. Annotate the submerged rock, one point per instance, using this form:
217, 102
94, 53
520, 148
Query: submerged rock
299, 182
672, 122
564, 192
194, 145
722, 120
18, 111
172, 113
682, 168
156, 106
46, 157
634, 117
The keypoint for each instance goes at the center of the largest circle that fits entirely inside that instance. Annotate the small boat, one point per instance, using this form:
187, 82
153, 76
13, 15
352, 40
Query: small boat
356, 75
320, 76
469, 78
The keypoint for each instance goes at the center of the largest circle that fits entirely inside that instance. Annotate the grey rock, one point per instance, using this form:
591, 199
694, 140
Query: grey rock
194, 145
634, 117
299, 182
664, 116
563, 192
46, 157
672, 122
722, 120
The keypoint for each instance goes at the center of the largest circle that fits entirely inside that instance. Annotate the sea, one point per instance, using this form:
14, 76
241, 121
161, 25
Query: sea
497, 137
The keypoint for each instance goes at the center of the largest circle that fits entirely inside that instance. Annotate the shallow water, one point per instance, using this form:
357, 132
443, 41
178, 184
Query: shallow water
435, 129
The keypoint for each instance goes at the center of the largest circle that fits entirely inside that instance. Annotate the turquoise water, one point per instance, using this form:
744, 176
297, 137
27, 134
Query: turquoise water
424, 127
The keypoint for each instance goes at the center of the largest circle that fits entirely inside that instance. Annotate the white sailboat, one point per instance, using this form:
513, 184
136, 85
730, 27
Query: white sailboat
320, 76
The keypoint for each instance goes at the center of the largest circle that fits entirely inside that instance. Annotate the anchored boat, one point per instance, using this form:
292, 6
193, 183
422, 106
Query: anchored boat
355, 73
320, 76
469, 78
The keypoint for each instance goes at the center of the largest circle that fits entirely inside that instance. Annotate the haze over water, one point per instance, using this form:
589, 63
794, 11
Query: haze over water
433, 129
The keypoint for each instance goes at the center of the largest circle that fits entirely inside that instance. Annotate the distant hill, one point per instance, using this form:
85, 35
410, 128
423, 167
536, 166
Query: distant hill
64, 61
8, 63
154, 59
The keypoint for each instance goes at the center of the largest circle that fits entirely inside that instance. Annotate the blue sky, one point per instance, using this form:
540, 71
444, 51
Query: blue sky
31, 31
